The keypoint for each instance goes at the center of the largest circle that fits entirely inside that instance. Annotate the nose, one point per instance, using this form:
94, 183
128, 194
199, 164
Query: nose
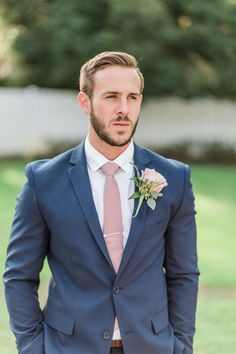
122, 108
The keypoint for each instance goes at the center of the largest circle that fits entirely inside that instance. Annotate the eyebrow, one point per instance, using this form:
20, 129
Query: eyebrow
118, 93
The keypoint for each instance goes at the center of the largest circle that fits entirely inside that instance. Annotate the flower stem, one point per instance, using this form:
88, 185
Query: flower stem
141, 198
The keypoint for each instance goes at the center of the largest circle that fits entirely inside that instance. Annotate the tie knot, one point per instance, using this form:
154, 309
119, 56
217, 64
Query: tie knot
110, 168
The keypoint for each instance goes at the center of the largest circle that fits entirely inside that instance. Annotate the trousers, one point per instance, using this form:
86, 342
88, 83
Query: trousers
117, 351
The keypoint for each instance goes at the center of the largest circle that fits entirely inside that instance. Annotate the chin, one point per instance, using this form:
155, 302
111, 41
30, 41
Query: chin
119, 139
121, 142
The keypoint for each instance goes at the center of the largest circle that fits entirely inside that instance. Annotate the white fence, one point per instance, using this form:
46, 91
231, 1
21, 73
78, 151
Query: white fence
31, 118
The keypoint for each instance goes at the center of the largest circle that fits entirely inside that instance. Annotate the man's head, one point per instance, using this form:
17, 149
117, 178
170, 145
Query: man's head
102, 61
111, 94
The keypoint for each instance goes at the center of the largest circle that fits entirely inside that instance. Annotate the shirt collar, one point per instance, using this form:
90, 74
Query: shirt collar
95, 159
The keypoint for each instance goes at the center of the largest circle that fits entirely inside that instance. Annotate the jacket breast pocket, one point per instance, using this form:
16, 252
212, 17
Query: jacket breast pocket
160, 321
59, 321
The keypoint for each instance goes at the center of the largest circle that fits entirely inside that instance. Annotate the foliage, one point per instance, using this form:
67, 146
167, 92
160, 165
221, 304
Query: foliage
186, 48
188, 152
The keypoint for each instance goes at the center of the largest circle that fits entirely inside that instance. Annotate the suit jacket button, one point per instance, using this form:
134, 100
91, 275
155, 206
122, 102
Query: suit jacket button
116, 289
106, 335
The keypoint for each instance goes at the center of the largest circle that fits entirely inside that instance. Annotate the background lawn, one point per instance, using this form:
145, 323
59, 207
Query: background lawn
215, 191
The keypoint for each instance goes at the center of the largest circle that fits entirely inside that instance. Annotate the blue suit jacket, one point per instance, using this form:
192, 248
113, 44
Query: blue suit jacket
154, 292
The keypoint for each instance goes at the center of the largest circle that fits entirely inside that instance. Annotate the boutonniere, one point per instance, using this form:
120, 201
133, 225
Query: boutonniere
149, 186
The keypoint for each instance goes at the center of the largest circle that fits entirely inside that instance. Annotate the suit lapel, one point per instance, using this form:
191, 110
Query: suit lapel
140, 160
79, 177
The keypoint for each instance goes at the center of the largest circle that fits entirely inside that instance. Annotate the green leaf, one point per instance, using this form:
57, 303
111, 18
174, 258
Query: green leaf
156, 195
159, 195
136, 180
134, 195
151, 203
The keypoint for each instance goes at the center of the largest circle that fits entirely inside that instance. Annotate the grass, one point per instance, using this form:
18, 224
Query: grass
215, 191
216, 326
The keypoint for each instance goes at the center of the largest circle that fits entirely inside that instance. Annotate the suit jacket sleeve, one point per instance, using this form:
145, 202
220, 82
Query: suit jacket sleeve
26, 253
181, 267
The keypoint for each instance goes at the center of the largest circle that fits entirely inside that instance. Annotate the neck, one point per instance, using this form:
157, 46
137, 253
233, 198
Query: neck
109, 151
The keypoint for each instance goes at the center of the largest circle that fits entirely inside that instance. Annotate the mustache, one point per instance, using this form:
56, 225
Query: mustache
121, 119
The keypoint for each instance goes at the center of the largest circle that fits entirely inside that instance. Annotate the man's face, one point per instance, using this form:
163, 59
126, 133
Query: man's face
115, 105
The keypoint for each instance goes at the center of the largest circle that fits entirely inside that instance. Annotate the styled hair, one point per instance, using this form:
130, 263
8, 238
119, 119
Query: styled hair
101, 61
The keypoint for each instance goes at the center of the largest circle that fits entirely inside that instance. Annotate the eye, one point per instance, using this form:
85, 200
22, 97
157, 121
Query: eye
132, 97
111, 97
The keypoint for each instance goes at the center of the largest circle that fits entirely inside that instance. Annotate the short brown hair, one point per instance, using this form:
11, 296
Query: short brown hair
102, 60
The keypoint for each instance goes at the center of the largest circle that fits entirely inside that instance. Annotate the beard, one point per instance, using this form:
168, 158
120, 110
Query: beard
104, 135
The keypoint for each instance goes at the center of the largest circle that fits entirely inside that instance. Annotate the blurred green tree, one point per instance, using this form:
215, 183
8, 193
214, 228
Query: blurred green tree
185, 48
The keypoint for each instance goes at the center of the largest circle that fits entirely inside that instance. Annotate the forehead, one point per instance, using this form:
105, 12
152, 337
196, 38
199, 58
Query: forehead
117, 79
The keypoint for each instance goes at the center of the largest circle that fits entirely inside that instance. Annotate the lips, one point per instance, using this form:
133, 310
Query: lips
121, 124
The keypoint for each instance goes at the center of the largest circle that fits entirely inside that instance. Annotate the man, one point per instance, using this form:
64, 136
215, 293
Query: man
120, 284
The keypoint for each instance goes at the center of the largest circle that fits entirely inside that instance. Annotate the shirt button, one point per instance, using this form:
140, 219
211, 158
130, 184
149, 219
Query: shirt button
116, 289
106, 335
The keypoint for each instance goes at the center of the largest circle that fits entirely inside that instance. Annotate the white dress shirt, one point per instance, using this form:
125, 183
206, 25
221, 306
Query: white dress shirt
123, 178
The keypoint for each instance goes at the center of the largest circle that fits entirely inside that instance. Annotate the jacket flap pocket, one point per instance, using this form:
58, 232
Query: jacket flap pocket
160, 321
59, 321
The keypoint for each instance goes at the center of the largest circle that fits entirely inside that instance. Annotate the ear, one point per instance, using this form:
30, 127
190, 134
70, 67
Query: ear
84, 102
141, 98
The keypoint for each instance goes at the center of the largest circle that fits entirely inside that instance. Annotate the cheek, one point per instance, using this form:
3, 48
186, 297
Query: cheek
104, 108
135, 108
135, 111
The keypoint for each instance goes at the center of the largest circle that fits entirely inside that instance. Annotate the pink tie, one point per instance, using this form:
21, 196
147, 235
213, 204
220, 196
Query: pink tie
112, 225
